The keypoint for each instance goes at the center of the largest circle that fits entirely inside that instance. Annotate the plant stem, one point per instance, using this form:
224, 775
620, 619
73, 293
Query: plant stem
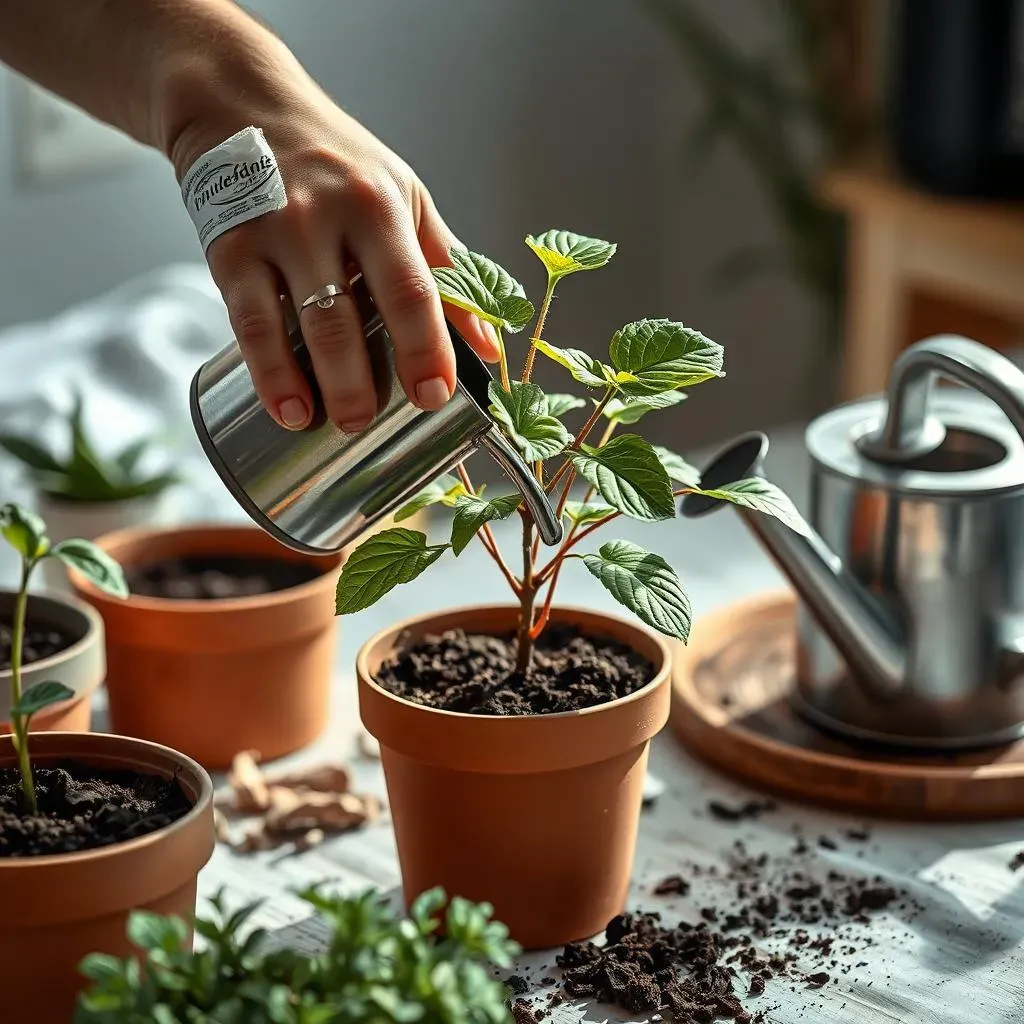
19, 724
539, 329
486, 537
503, 360
581, 437
527, 595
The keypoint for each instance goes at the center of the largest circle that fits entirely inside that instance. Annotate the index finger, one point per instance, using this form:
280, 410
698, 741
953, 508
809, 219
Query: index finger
403, 289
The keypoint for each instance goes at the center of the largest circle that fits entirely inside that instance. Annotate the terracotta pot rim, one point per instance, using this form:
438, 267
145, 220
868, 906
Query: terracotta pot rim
94, 627
557, 611
198, 809
196, 607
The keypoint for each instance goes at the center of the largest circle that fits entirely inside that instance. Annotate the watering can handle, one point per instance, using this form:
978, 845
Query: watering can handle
908, 431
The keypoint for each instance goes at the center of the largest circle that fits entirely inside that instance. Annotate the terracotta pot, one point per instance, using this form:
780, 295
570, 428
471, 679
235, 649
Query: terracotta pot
537, 815
58, 909
212, 678
79, 667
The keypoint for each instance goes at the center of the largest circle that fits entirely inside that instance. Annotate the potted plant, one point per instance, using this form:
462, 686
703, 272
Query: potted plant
514, 738
91, 826
80, 493
374, 968
225, 643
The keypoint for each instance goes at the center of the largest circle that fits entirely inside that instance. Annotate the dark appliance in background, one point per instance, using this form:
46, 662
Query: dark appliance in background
956, 89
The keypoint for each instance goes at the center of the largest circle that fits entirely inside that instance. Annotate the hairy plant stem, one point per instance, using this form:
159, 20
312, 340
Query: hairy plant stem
527, 596
486, 537
19, 723
538, 330
581, 437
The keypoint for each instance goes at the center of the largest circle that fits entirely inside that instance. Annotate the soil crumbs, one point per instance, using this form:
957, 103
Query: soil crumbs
706, 971
84, 808
211, 579
36, 645
475, 674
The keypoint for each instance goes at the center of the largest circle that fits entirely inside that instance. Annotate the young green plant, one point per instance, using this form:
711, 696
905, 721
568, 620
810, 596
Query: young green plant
650, 365
83, 475
375, 968
25, 532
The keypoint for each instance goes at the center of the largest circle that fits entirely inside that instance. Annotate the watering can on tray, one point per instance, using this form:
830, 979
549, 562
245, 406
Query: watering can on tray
911, 580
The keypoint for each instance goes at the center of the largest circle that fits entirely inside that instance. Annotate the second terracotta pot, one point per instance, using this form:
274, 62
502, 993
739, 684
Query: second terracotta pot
211, 678
537, 815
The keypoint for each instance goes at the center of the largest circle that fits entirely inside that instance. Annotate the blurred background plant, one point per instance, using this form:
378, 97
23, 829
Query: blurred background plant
790, 110
83, 475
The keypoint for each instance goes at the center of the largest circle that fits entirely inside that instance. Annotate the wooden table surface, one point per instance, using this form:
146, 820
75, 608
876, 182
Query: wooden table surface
958, 958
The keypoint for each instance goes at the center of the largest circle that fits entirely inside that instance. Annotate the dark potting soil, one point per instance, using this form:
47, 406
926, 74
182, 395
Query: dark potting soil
37, 644
1016, 861
475, 674
216, 578
83, 808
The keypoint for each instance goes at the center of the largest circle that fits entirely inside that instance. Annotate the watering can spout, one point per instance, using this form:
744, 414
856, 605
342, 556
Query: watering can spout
862, 631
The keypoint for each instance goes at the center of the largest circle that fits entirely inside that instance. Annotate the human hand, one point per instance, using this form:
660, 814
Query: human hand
350, 200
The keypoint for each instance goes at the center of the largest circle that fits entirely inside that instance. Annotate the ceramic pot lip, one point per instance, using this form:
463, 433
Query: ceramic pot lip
198, 775
469, 611
226, 531
93, 631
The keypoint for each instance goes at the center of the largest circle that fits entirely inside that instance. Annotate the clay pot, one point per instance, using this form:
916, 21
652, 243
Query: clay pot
212, 678
58, 909
538, 814
79, 667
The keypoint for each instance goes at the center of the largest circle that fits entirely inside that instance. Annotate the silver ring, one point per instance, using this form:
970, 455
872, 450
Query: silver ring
324, 298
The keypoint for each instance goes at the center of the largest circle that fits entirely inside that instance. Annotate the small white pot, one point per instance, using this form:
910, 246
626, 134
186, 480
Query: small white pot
92, 519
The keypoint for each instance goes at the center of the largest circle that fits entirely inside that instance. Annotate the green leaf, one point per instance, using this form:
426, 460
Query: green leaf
585, 369
678, 468
565, 252
40, 696
477, 284
629, 475
592, 512
472, 512
662, 355
150, 931
628, 411
758, 494
559, 404
645, 584
442, 491
380, 564
100, 967
24, 531
31, 454
93, 563
522, 411
128, 458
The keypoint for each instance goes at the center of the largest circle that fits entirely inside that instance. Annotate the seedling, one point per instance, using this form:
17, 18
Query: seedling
83, 474
375, 968
25, 532
651, 364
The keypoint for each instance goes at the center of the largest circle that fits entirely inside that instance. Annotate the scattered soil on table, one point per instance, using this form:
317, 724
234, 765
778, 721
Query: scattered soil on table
83, 808
38, 644
475, 674
776, 920
751, 810
1017, 861
216, 578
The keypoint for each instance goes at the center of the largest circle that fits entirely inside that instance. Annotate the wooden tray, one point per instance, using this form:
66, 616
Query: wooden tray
730, 707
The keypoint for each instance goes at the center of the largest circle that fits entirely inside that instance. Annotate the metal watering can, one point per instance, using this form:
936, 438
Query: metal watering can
319, 489
911, 624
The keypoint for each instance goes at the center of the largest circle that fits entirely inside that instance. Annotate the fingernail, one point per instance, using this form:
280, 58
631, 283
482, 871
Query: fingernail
293, 412
355, 426
432, 394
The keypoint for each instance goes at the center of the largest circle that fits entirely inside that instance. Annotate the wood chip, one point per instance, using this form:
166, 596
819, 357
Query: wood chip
328, 778
247, 781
